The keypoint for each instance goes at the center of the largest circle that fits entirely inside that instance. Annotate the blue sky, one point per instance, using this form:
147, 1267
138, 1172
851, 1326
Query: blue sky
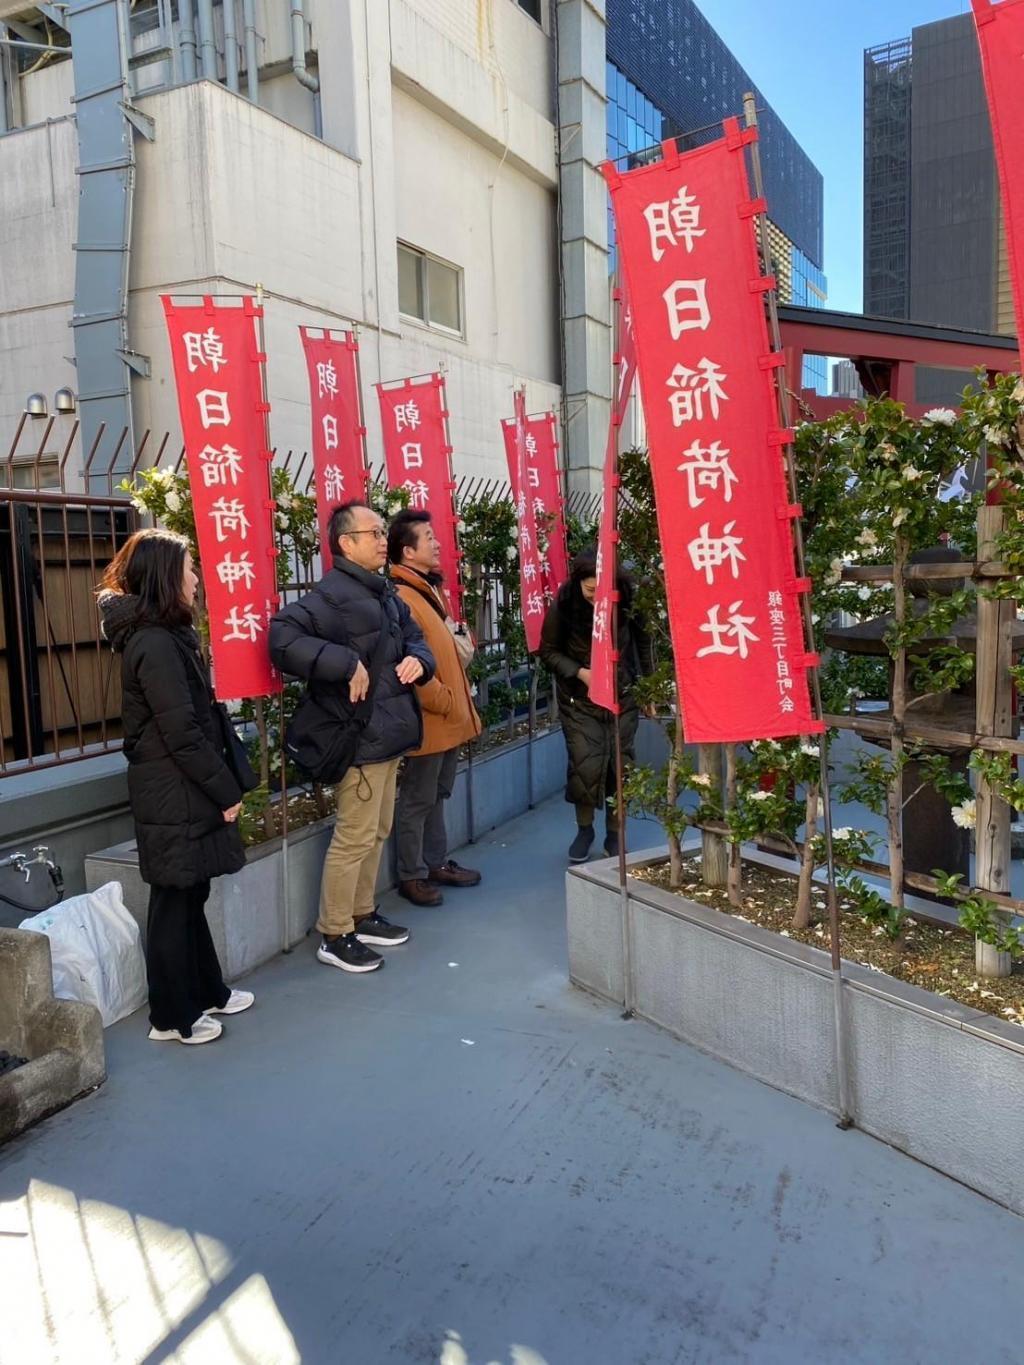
807, 57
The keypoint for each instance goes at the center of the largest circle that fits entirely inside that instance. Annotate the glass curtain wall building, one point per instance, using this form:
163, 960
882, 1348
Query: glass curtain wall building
668, 73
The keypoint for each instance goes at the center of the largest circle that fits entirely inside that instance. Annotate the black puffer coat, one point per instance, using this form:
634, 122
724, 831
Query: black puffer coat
323, 635
588, 728
178, 783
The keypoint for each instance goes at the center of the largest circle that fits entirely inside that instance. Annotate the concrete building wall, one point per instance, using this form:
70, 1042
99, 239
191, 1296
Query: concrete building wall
437, 128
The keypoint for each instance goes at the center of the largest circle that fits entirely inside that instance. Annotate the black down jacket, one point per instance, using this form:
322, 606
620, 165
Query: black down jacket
178, 783
589, 729
323, 635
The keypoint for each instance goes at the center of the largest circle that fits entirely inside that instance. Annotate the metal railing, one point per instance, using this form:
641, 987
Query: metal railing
62, 519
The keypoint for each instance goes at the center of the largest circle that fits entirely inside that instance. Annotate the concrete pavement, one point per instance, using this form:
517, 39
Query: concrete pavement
462, 1160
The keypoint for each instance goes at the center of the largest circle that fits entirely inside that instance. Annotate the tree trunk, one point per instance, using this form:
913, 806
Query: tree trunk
714, 861
735, 875
802, 913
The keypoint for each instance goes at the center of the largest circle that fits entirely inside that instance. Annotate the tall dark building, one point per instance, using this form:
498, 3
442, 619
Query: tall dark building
933, 244
669, 74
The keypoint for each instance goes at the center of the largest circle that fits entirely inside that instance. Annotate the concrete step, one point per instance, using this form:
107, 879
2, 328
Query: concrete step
62, 1039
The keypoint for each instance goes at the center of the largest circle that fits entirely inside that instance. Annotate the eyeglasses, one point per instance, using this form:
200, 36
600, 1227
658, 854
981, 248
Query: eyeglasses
374, 531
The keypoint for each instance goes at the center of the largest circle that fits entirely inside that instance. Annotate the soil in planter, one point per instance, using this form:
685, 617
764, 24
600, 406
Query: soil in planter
940, 960
302, 810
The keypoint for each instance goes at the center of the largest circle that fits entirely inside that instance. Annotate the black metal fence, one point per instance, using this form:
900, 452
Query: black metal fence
62, 519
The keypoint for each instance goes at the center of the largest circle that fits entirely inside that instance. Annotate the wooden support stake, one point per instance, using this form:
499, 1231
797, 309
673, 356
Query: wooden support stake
899, 714
994, 700
735, 874
715, 850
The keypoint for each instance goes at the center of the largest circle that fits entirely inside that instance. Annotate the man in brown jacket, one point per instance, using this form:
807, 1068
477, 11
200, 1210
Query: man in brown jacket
449, 719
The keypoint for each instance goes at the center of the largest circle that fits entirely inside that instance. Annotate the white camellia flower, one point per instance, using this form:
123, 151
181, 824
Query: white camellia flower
900, 516
284, 502
995, 436
864, 593
887, 450
966, 815
811, 750
173, 502
912, 474
510, 553
835, 573
867, 537
139, 505
940, 417
838, 835
701, 780
760, 796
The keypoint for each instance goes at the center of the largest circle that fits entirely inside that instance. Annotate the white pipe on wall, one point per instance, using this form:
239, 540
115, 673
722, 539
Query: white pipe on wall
230, 45
299, 48
252, 66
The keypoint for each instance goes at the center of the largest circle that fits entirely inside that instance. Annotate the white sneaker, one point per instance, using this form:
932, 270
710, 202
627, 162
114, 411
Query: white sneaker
204, 1030
237, 1002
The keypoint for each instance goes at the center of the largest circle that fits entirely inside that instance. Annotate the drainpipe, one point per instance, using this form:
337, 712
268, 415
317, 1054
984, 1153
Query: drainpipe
299, 48
207, 40
4, 124
252, 66
187, 23
231, 45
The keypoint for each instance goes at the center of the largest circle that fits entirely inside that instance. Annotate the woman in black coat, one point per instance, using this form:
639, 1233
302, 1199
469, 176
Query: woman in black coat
589, 729
184, 798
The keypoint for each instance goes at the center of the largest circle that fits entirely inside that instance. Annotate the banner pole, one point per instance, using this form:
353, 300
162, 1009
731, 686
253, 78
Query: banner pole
285, 868
782, 395
361, 411
628, 1000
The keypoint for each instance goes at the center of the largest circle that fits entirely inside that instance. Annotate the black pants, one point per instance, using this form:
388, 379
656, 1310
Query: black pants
181, 962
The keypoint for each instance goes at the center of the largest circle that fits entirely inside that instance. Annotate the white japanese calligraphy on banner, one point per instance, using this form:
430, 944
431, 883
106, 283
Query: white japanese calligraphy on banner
217, 367
688, 250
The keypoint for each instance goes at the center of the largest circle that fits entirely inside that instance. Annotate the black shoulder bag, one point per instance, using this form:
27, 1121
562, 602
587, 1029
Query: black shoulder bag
322, 738
232, 749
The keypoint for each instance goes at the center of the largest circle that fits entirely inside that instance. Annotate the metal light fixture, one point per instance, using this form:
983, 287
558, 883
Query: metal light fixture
35, 405
64, 400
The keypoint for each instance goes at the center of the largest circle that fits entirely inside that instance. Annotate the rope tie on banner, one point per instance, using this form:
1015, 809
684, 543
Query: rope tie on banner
670, 153
736, 138
208, 305
611, 174
251, 308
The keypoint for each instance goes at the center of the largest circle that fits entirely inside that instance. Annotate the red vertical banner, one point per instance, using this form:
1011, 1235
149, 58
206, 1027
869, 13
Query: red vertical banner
686, 237
418, 458
217, 371
534, 594
338, 434
604, 655
1001, 38
544, 488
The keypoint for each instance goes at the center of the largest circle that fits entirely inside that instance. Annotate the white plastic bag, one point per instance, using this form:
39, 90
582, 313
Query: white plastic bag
96, 952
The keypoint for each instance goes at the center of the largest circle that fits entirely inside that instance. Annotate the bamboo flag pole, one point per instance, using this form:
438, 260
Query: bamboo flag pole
782, 394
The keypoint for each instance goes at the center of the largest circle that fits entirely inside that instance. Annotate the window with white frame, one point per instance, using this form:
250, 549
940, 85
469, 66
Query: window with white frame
532, 8
429, 290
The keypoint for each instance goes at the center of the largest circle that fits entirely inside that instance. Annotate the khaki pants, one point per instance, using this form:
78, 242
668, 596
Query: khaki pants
366, 808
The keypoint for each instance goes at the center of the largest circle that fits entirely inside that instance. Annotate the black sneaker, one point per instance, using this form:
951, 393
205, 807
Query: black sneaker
349, 954
611, 844
376, 929
579, 849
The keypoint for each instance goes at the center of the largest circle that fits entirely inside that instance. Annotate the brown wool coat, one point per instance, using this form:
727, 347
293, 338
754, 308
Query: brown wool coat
449, 716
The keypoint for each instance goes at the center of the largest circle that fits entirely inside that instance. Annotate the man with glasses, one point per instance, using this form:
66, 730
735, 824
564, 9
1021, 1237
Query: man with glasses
332, 638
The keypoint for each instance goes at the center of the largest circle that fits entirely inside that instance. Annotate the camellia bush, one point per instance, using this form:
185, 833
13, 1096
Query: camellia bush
877, 488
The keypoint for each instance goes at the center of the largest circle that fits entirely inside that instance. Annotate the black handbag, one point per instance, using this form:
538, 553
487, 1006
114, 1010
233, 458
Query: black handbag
235, 755
28, 885
323, 735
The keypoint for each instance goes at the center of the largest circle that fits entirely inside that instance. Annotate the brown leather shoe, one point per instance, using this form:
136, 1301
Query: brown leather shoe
420, 893
451, 874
